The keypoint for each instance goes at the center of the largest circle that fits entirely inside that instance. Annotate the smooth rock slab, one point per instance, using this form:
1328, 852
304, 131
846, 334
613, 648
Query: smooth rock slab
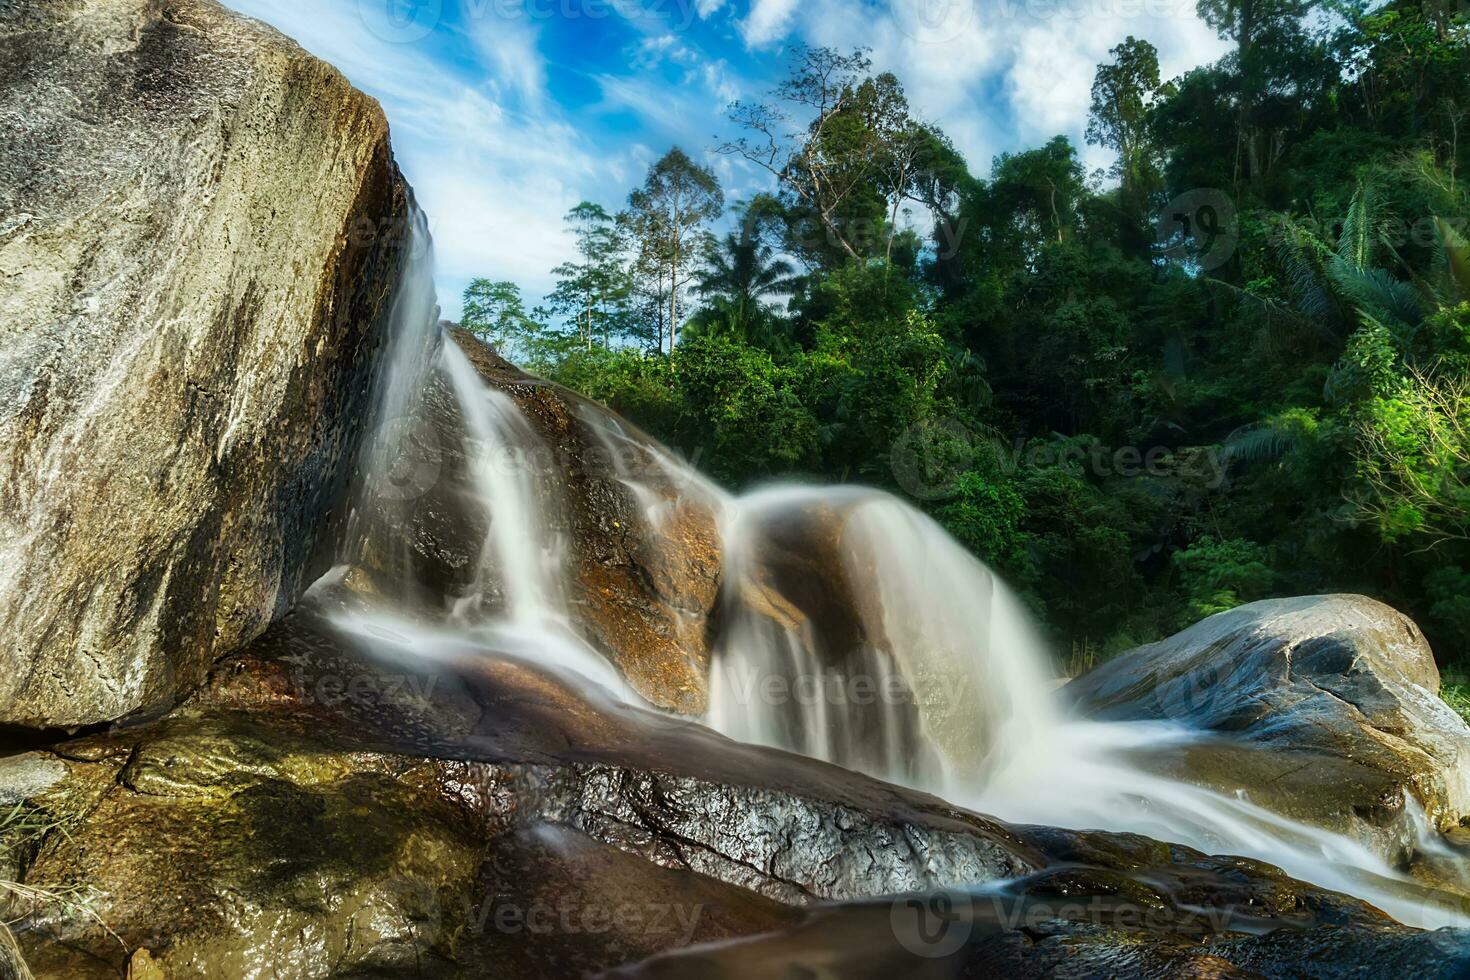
1324, 708
313, 813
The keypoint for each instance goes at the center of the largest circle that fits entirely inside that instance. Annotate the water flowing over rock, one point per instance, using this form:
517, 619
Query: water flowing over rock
601, 528
316, 812
475, 746
1327, 708
199, 238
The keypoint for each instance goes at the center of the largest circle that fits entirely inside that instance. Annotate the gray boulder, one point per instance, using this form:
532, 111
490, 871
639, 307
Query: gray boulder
1323, 708
200, 233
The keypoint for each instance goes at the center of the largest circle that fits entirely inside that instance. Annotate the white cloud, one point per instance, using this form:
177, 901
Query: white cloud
994, 74
496, 161
494, 164
768, 21
508, 47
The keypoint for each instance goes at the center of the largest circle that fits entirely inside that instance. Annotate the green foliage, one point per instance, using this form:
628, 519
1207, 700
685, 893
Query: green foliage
1216, 576
1135, 440
988, 515
495, 312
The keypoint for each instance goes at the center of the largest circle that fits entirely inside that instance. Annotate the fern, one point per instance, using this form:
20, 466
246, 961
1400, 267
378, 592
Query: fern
1301, 257
1359, 228
1277, 437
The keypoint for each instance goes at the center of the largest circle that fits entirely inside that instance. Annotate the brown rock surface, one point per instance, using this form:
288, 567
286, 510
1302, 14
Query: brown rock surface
643, 537
314, 813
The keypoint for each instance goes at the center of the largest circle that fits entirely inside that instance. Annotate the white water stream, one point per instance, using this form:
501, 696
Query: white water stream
938, 682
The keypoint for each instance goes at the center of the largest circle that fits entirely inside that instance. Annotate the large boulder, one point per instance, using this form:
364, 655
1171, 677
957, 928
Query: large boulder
641, 530
310, 812
200, 231
1323, 708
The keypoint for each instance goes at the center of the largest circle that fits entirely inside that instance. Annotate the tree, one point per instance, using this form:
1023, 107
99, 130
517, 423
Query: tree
810, 139
667, 217
495, 312
1124, 93
1268, 36
742, 272
593, 291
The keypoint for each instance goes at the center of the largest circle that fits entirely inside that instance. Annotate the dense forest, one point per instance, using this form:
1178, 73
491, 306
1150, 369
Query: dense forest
1236, 365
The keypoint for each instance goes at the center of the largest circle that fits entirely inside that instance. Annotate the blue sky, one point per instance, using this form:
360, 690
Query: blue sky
506, 113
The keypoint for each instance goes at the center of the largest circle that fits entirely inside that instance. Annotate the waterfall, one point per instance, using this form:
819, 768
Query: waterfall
513, 484
853, 629
938, 680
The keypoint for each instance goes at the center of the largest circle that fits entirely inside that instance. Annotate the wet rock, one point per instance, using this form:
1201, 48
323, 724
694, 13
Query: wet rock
641, 533
311, 812
187, 351
269, 825
1093, 930
1325, 709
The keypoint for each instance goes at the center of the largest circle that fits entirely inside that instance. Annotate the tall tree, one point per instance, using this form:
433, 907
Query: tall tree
593, 291
668, 215
1267, 35
741, 274
1124, 93
813, 138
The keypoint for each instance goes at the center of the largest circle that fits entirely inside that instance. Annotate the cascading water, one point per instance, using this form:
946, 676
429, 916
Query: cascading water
520, 553
928, 687
853, 630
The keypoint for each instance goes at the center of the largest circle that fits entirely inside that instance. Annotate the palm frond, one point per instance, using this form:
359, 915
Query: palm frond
1360, 228
1376, 293
1262, 442
1456, 260
1301, 258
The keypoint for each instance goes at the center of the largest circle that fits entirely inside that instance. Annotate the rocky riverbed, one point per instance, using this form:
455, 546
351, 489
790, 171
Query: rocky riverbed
215, 763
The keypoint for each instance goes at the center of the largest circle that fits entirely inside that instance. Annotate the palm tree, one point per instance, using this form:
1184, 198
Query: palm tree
742, 273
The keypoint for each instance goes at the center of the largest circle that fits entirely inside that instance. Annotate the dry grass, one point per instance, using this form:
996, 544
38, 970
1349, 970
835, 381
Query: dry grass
20, 827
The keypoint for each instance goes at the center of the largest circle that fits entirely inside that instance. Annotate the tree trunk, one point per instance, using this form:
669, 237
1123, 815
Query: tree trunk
674, 298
